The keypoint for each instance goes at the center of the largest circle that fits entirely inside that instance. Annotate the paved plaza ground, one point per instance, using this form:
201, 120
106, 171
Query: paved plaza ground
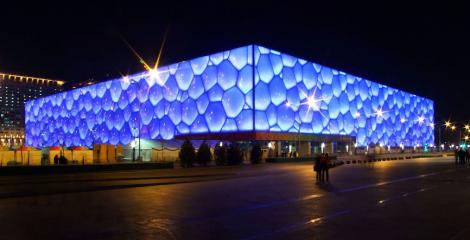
425, 198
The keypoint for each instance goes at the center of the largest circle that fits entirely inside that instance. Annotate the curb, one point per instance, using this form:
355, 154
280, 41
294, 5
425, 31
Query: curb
358, 161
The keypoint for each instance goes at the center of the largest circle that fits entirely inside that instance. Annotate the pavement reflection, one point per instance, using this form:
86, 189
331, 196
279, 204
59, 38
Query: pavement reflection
271, 201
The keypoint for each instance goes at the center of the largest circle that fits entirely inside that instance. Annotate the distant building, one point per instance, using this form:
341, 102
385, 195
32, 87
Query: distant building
15, 90
73, 85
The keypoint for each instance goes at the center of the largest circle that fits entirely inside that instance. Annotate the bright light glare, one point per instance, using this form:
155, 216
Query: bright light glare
402, 120
420, 119
153, 73
313, 103
379, 112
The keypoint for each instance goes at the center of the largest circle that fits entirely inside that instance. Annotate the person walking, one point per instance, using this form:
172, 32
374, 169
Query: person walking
456, 154
467, 156
317, 167
325, 164
461, 156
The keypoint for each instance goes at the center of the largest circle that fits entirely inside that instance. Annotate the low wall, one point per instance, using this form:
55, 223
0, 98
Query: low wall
35, 158
57, 169
340, 159
20, 158
334, 159
76, 156
393, 156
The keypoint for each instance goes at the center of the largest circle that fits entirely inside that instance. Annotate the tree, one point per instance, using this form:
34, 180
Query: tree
187, 154
256, 153
204, 154
220, 154
234, 154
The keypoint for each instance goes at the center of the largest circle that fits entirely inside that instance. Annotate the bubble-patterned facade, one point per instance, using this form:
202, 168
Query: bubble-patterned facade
250, 88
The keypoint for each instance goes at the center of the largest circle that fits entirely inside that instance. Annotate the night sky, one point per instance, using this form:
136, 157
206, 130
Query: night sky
421, 49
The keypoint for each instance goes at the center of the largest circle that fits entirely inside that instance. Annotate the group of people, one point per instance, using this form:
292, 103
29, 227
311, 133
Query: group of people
60, 160
321, 167
462, 156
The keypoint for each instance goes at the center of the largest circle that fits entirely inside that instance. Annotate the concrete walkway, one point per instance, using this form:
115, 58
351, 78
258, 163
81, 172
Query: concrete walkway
413, 199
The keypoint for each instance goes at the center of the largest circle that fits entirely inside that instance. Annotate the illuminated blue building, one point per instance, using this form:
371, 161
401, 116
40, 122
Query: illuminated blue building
248, 90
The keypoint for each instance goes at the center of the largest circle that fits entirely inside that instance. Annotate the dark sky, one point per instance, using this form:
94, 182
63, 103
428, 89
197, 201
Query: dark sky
421, 49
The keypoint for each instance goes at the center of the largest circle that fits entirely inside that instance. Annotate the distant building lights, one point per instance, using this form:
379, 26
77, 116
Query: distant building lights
403, 120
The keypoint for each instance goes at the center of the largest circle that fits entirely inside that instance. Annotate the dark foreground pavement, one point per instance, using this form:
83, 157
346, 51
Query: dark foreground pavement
406, 199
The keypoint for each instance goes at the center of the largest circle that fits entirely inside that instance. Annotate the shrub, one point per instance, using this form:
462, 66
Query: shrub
220, 154
187, 154
204, 154
256, 153
234, 154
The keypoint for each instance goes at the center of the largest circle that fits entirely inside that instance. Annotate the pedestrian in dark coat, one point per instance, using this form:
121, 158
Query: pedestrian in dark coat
467, 155
325, 164
461, 156
456, 154
317, 167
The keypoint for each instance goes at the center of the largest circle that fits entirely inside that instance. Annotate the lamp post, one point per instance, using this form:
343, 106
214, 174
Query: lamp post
138, 120
93, 136
454, 126
312, 104
133, 150
152, 75
289, 105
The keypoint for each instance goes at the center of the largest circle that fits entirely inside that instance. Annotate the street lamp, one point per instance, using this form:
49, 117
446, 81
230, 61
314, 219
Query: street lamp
313, 104
460, 126
289, 105
448, 125
93, 136
132, 80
